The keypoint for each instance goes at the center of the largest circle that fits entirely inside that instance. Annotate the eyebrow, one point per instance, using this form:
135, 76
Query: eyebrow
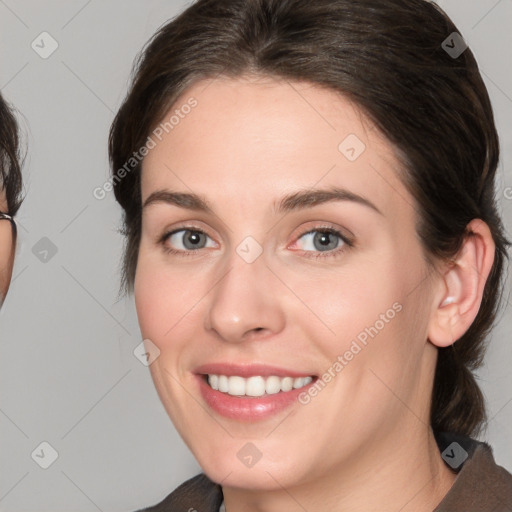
299, 200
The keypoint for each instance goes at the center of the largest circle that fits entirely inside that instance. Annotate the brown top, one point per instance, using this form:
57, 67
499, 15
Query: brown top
481, 485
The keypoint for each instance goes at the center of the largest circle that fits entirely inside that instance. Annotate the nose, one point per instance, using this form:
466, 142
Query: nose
245, 303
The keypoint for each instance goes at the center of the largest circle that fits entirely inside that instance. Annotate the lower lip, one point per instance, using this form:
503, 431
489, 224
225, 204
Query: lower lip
244, 408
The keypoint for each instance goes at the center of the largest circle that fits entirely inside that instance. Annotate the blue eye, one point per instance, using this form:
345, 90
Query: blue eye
328, 241
321, 240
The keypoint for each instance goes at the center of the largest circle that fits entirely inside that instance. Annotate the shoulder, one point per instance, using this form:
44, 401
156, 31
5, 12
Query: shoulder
481, 484
197, 494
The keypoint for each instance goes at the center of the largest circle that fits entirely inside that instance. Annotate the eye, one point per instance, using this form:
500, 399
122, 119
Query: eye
324, 240
185, 240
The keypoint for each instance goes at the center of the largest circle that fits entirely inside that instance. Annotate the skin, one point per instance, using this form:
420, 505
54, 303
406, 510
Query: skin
364, 442
6, 252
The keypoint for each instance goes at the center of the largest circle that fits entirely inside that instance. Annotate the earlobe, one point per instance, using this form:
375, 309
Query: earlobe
461, 286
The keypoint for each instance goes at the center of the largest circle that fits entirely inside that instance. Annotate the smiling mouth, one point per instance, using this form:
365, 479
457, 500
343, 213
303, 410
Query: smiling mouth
256, 386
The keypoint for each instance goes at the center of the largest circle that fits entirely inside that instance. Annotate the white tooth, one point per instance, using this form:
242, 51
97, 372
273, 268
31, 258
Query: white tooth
273, 385
223, 383
213, 380
298, 383
255, 386
287, 384
236, 385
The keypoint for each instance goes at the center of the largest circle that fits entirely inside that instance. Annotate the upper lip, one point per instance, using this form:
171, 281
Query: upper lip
248, 370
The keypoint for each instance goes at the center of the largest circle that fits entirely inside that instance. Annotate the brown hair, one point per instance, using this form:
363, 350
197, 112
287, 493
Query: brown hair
10, 158
387, 57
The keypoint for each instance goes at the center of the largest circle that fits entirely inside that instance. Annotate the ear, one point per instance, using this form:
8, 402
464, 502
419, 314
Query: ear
461, 286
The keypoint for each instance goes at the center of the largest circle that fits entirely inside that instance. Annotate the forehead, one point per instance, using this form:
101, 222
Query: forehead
259, 137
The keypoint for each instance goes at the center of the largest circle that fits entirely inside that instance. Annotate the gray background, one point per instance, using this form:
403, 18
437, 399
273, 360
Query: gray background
68, 373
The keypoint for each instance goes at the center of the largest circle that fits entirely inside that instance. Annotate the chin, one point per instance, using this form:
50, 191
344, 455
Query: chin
250, 464
261, 477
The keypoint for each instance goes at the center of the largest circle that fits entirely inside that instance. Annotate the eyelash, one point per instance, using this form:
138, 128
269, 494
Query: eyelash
347, 243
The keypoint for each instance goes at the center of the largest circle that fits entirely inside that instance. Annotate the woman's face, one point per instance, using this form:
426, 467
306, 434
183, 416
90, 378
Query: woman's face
278, 244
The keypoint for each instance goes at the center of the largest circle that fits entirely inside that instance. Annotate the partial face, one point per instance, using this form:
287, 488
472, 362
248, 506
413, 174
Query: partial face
308, 309
6, 251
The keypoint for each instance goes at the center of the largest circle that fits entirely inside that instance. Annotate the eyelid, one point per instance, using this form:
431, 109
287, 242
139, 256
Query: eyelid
347, 242
344, 234
183, 227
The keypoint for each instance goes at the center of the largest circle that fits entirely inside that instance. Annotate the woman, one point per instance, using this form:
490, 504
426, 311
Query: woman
315, 253
10, 193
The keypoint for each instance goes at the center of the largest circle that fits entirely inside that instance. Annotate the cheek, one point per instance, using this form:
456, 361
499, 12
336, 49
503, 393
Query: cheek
151, 299
348, 301
165, 299
366, 314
